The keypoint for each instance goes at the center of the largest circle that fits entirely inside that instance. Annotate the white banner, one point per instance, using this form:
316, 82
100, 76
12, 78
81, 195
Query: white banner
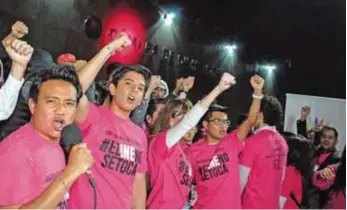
331, 110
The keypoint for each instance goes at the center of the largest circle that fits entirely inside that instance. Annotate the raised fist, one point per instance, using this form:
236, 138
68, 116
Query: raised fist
154, 82
19, 51
121, 42
257, 83
305, 111
19, 29
226, 81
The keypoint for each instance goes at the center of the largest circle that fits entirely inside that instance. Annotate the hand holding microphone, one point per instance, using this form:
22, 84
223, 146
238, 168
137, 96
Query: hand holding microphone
79, 157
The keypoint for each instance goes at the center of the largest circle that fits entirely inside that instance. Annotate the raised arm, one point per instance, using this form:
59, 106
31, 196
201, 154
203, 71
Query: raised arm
18, 30
257, 83
139, 114
89, 71
20, 53
196, 113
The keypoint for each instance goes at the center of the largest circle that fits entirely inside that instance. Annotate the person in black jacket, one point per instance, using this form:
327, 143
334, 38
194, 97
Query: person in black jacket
325, 155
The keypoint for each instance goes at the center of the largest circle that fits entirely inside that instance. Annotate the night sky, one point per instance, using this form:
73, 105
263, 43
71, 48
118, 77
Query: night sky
309, 33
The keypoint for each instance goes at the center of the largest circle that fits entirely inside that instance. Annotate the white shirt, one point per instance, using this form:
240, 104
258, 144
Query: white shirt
8, 96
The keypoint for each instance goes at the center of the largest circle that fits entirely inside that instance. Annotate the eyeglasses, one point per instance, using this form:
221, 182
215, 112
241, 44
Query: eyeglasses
220, 121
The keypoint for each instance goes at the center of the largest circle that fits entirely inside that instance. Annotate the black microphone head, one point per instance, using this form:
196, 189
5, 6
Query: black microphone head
70, 136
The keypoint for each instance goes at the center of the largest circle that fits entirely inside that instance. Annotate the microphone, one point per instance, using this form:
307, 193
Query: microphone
70, 136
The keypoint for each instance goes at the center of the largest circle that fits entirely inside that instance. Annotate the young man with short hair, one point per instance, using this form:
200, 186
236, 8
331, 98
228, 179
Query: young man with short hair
117, 144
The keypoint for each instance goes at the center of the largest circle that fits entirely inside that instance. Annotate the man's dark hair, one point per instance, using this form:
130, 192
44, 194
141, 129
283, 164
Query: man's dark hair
215, 108
272, 110
152, 106
60, 72
122, 70
330, 128
111, 68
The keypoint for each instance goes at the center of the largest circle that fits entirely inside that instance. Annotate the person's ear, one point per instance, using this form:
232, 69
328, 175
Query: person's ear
32, 105
112, 88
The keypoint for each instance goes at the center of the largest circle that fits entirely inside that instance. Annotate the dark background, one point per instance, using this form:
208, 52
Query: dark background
306, 37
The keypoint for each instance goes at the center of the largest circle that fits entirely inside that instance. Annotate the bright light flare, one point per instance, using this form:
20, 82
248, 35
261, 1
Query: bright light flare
231, 48
169, 19
269, 68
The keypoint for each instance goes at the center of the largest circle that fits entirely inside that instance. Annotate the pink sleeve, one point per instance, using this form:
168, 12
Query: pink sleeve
17, 180
143, 165
248, 153
233, 136
93, 117
321, 183
159, 145
288, 183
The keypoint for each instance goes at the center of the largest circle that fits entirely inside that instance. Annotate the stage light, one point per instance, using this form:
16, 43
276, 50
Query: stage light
168, 18
269, 68
231, 48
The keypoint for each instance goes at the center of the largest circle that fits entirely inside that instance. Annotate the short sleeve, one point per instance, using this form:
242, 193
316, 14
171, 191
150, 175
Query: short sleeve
248, 153
158, 145
236, 140
92, 118
143, 165
17, 178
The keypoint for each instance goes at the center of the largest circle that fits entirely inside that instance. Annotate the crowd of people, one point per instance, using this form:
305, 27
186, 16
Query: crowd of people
138, 141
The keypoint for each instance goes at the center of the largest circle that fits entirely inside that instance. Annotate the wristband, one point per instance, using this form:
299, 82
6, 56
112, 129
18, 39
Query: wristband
258, 96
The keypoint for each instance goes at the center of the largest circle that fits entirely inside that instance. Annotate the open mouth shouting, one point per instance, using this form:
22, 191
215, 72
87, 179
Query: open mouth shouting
58, 124
131, 99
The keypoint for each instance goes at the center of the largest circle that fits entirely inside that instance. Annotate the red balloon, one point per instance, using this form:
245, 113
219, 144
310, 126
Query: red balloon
128, 21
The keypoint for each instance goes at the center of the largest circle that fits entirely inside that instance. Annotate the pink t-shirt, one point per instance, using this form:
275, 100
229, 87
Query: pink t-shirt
336, 201
30, 164
119, 149
265, 154
170, 174
292, 184
216, 173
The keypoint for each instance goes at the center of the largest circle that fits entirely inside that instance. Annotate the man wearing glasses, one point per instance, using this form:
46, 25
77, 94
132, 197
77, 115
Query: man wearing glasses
215, 157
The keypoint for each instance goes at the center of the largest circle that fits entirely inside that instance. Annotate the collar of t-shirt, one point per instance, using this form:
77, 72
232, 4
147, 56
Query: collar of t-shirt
266, 127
